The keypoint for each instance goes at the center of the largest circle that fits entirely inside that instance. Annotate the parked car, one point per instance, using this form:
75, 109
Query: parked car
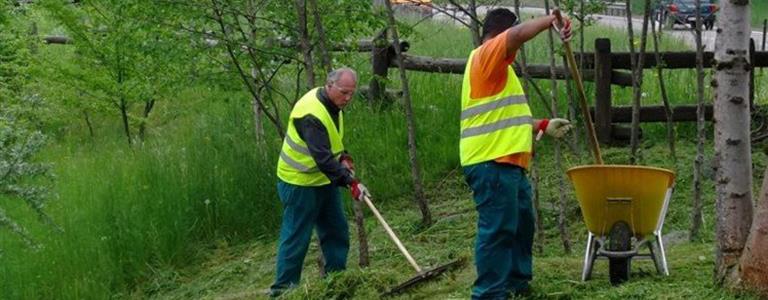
671, 12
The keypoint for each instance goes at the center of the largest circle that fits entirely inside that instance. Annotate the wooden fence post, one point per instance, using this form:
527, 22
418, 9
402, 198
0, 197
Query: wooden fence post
380, 60
603, 71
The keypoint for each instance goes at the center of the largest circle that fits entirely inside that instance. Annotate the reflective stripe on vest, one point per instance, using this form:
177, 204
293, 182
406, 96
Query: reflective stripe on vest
494, 126
296, 165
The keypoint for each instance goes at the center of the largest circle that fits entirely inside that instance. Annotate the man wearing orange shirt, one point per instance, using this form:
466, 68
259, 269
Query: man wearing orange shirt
497, 131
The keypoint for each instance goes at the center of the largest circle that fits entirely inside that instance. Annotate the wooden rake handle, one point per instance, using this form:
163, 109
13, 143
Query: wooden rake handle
392, 234
582, 95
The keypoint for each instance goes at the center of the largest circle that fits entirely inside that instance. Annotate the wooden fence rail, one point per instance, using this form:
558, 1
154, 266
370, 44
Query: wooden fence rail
603, 67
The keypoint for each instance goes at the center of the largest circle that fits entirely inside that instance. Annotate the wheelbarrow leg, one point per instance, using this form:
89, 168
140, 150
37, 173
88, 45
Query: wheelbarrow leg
589, 257
662, 254
653, 246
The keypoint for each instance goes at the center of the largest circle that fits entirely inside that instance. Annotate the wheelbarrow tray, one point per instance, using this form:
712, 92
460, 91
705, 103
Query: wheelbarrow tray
611, 193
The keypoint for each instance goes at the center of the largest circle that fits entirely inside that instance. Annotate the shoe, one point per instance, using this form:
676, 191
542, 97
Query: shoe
523, 292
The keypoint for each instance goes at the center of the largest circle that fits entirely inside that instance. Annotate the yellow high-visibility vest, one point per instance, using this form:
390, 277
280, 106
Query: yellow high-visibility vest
296, 165
494, 126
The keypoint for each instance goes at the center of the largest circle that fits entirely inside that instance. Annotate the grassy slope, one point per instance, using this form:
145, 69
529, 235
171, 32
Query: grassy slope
242, 272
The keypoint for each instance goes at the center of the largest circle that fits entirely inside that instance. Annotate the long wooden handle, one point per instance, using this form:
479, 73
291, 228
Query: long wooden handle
392, 234
582, 95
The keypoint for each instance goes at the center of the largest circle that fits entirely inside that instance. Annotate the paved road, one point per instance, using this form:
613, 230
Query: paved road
682, 32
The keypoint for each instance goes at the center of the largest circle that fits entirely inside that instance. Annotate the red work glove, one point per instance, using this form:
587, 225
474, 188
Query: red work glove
347, 162
358, 190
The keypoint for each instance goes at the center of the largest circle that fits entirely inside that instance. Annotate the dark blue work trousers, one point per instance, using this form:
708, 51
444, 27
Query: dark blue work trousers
304, 208
505, 229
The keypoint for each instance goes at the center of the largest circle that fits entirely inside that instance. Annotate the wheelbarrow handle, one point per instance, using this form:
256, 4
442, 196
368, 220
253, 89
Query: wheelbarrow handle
392, 234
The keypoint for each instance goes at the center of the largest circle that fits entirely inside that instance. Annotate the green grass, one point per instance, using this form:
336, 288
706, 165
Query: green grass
176, 218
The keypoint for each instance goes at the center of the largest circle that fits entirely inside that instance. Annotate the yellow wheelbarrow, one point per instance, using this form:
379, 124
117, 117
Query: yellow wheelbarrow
624, 208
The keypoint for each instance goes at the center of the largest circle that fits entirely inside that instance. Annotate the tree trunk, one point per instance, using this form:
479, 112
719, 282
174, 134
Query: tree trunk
540, 236
34, 39
306, 47
88, 123
320, 259
562, 225
582, 16
732, 141
126, 125
572, 110
696, 218
521, 50
148, 105
474, 25
426, 217
637, 71
665, 99
258, 127
754, 261
362, 237
322, 41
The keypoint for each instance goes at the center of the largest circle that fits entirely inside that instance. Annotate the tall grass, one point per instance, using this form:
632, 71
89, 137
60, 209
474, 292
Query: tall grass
124, 210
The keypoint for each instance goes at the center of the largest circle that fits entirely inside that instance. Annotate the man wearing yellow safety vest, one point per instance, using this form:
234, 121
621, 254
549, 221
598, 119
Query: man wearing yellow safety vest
496, 147
311, 167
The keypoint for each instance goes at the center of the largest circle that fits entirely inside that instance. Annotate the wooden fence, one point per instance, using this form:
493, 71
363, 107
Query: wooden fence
604, 67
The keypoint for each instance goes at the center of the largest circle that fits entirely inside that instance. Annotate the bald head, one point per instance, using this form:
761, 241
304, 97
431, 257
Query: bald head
341, 85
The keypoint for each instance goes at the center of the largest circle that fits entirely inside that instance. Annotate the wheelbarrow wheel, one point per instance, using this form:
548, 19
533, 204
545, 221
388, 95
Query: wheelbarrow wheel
619, 239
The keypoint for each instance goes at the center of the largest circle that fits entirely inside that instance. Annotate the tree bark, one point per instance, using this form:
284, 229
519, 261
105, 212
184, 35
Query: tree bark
306, 48
258, 127
698, 163
88, 123
477, 39
572, 110
732, 141
521, 50
426, 217
124, 117
148, 105
322, 41
754, 261
362, 236
540, 236
562, 225
637, 71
